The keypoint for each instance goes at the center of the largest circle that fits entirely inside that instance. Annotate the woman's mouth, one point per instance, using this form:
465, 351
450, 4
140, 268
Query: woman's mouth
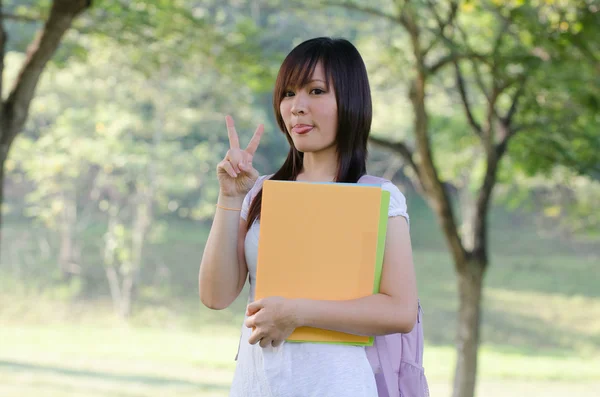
302, 129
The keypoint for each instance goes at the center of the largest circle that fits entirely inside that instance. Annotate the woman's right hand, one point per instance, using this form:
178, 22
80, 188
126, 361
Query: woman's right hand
235, 172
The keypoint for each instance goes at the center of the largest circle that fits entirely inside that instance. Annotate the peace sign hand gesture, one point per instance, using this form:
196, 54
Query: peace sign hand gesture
235, 172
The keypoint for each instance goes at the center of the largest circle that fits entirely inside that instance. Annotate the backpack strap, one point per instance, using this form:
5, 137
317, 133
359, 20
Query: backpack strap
389, 375
379, 353
371, 180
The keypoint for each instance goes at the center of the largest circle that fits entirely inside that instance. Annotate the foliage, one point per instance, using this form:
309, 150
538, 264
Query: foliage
106, 141
561, 111
128, 122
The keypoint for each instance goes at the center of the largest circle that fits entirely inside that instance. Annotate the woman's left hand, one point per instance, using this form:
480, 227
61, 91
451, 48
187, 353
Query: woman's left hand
273, 319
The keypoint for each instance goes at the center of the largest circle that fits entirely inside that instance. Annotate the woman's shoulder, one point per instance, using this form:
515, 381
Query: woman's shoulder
376, 180
372, 179
398, 205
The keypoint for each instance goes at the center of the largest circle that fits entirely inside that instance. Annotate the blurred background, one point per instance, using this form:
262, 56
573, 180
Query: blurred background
486, 115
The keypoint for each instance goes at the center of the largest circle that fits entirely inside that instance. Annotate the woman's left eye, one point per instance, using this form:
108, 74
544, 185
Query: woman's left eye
317, 91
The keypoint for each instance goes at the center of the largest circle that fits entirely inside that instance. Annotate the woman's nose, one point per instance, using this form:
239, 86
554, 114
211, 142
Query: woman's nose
299, 105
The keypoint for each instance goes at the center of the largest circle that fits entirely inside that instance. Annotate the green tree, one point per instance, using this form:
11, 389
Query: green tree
475, 51
153, 34
15, 108
555, 164
125, 148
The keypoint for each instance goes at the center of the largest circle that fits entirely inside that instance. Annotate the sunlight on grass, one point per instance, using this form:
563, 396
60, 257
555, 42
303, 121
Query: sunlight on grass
565, 326
497, 364
536, 305
540, 331
13, 383
88, 347
185, 355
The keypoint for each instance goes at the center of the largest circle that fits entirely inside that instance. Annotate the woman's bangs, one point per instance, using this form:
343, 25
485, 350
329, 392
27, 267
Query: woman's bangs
297, 73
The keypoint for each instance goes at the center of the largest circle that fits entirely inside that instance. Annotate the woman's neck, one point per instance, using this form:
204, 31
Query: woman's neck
319, 166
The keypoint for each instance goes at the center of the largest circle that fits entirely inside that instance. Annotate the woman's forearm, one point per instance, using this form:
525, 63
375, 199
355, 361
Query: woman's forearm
220, 278
373, 315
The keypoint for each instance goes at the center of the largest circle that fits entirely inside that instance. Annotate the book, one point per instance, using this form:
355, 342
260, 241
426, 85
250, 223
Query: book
322, 241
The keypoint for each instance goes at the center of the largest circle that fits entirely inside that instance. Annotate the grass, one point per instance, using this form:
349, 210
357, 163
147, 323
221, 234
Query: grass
74, 360
534, 341
540, 324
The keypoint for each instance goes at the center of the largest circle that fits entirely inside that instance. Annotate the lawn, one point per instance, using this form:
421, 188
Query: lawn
540, 338
72, 360
540, 324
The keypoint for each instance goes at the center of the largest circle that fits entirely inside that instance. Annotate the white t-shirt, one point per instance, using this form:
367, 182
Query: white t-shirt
302, 369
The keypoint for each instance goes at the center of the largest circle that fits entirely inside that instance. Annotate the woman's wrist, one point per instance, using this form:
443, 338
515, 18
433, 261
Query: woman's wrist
299, 311
234, 202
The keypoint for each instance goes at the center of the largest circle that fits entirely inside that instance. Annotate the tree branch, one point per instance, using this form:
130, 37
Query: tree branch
3, 39
494, 154
497, 10
481, 209
22, 18
16, 107
436, 193
508, 130
366, 10
400, 148
478, 76
455, 53
500, 35
451, 14
431, 45
465, 100
503, 144
515, 101
442, 24
454, 57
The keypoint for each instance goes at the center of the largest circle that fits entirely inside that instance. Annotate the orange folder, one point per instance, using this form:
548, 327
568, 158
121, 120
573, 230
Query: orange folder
321, 241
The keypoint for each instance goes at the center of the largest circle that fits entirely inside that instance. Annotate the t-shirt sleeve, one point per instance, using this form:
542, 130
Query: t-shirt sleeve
397, 201
250, 196
246, 206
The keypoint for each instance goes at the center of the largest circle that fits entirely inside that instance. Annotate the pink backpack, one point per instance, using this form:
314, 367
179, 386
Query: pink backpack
397, 359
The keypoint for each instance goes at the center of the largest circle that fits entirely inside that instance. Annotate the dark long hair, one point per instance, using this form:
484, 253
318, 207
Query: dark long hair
345, 70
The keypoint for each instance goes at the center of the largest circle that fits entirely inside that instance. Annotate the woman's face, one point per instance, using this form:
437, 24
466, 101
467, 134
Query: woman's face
310, 113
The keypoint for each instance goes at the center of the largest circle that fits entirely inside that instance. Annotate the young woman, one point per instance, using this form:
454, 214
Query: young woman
322, 104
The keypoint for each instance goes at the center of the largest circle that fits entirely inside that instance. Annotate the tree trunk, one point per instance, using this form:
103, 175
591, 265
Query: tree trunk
2, 162
127, 295
3, 146
115, 288
67, 258
142, 203
470, 283
110, 264
14, 110
470, 271
140, 227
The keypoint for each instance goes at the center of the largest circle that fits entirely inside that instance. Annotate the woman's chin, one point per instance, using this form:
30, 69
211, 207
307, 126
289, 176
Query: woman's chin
304, 149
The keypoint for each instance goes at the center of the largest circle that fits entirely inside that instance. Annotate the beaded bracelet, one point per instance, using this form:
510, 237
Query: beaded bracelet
229, 209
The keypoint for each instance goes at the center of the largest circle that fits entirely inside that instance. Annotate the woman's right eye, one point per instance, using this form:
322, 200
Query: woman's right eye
288, 93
